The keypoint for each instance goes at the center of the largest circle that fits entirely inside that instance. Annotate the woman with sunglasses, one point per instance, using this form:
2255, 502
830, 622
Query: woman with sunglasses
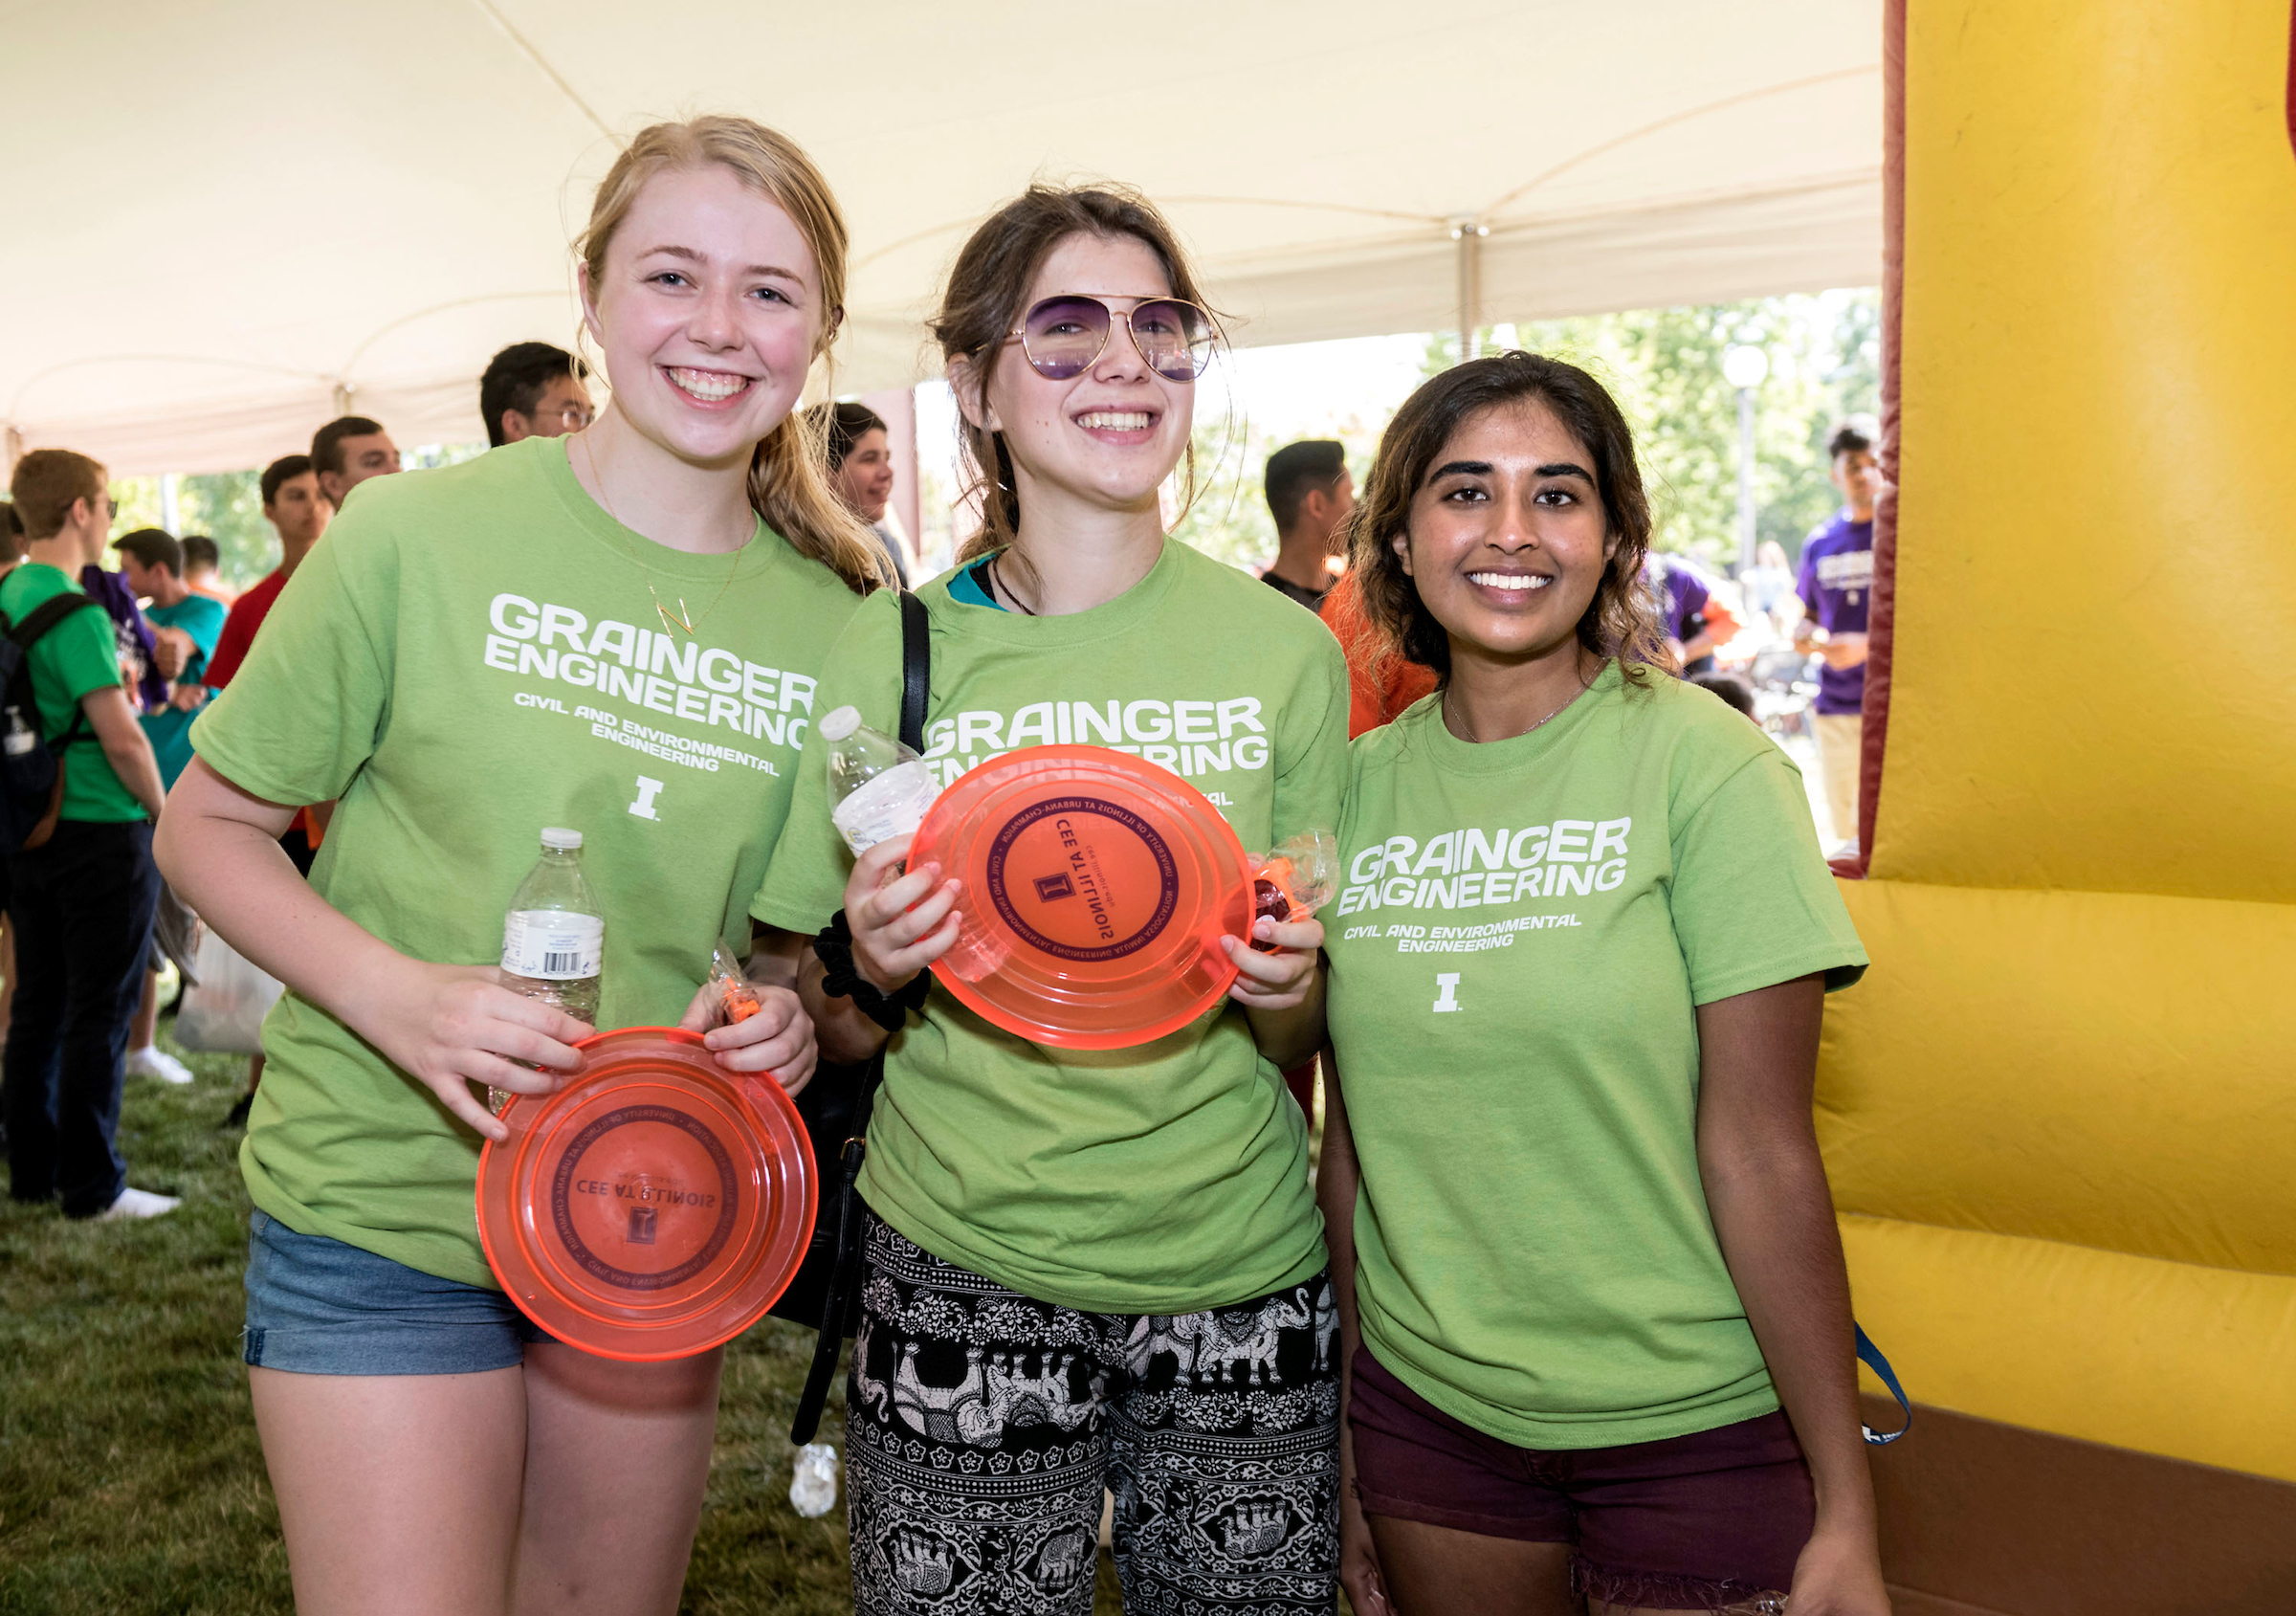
615, 631
1596, 1321
1083, 1269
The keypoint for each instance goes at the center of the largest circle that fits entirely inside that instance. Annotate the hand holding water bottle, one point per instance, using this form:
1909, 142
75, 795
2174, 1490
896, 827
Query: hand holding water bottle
878, 788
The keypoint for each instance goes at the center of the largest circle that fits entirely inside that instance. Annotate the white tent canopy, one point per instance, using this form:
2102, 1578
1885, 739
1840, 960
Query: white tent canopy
224, 220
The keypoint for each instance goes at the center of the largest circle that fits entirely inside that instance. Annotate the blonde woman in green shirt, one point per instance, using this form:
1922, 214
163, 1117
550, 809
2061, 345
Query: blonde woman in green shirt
1594, 1312
1083, 1267
616, 631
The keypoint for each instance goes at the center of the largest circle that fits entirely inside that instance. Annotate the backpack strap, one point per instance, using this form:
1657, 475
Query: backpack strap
23, 636
844, 1204
45, 616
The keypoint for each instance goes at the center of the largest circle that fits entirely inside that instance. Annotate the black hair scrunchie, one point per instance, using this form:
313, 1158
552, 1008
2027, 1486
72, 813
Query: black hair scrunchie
834, 948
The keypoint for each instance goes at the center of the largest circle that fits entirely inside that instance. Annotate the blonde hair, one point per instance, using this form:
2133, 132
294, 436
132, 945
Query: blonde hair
787, 485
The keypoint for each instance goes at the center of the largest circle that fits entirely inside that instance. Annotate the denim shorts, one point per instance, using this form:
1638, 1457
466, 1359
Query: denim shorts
317, 1306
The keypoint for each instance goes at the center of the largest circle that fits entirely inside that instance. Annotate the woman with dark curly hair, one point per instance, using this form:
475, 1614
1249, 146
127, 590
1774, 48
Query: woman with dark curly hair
1592, 1296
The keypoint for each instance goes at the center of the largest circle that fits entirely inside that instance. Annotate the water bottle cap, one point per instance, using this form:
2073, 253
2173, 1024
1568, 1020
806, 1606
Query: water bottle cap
562, 839
839, 724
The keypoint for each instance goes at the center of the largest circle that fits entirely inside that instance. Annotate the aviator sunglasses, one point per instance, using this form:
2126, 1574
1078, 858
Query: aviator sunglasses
1062, 336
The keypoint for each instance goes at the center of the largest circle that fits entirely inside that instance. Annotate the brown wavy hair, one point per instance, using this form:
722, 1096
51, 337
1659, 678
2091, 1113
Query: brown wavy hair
787, 483
982, 303
1618, 621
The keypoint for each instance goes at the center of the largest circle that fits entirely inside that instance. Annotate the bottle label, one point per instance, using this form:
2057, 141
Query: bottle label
553, 945
891, 805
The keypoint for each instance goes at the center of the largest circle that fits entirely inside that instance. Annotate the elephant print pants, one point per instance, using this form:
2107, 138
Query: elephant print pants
981, 1427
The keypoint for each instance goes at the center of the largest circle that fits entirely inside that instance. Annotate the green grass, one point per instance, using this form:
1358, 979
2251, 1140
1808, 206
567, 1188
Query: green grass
130, 1477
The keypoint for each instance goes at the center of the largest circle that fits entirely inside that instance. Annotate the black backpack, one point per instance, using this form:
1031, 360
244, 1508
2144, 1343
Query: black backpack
31, 770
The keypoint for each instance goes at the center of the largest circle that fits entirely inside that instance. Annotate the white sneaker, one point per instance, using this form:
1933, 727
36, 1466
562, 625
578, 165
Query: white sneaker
139, 1203
152, 1061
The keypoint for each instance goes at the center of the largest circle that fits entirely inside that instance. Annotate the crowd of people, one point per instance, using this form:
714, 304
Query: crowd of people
1562, 1317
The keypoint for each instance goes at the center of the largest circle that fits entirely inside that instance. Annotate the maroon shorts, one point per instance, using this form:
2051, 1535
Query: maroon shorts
1688, 1523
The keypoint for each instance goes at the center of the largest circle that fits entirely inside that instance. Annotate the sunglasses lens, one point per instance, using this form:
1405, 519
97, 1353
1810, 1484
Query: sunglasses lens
1063, 335
1175, 338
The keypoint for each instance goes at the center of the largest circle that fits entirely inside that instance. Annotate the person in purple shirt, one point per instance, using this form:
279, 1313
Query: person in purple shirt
1696, 620
139, 651
1836, 589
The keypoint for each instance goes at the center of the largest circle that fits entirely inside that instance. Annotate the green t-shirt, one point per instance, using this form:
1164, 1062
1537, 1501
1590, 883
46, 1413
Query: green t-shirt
472, 655
169, 731
1161, 1178
74, 659
1523, 932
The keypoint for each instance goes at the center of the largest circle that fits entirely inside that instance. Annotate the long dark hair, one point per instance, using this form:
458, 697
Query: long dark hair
982, 304
1618, 621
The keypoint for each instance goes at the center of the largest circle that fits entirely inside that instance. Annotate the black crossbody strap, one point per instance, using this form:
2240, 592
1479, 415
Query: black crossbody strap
917, 671
843, 1199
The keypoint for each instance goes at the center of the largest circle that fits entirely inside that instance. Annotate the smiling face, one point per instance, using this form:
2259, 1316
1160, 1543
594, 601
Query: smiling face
707, 309
1506, 540
865, 476
1107, 437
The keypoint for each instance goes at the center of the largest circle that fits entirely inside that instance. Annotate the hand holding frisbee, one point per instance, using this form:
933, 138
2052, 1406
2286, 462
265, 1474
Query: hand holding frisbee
651, 1208
1094, 895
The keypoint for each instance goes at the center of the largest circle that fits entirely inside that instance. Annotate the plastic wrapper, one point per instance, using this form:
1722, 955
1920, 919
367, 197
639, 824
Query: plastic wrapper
736, 995
1295, 880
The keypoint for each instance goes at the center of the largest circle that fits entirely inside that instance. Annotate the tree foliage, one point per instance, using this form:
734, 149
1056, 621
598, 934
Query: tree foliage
1665, 367
228, 507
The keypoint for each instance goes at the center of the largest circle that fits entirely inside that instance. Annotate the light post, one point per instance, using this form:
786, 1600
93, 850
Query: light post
1745, 368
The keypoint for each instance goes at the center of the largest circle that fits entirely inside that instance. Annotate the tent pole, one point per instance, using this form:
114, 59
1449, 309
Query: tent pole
1469, 235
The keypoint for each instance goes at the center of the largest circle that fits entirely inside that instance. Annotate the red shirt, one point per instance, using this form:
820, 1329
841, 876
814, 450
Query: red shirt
238, 634
231, 647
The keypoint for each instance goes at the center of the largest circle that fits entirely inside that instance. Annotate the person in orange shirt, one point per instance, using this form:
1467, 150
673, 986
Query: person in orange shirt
1380, 684
201, 575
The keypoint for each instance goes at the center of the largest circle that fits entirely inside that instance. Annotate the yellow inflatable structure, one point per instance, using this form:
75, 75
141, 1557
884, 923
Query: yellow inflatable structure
2061, 1111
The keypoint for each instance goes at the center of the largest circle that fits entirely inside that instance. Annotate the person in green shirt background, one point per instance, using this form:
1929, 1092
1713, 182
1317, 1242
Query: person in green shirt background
1594, 1304
616, 631
81, 905
1082, 1267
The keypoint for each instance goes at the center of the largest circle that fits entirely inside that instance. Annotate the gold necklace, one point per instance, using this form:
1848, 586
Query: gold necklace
684, 620
1520, 732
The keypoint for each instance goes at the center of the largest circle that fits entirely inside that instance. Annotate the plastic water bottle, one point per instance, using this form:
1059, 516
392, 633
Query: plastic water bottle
554, 936
878, 789
814, 1484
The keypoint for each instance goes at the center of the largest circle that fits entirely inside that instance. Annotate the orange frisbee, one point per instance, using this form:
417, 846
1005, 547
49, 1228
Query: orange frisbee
1097, 887
653, 1207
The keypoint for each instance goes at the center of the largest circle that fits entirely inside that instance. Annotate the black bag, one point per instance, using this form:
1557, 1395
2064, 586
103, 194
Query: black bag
835, 1107
31, 770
